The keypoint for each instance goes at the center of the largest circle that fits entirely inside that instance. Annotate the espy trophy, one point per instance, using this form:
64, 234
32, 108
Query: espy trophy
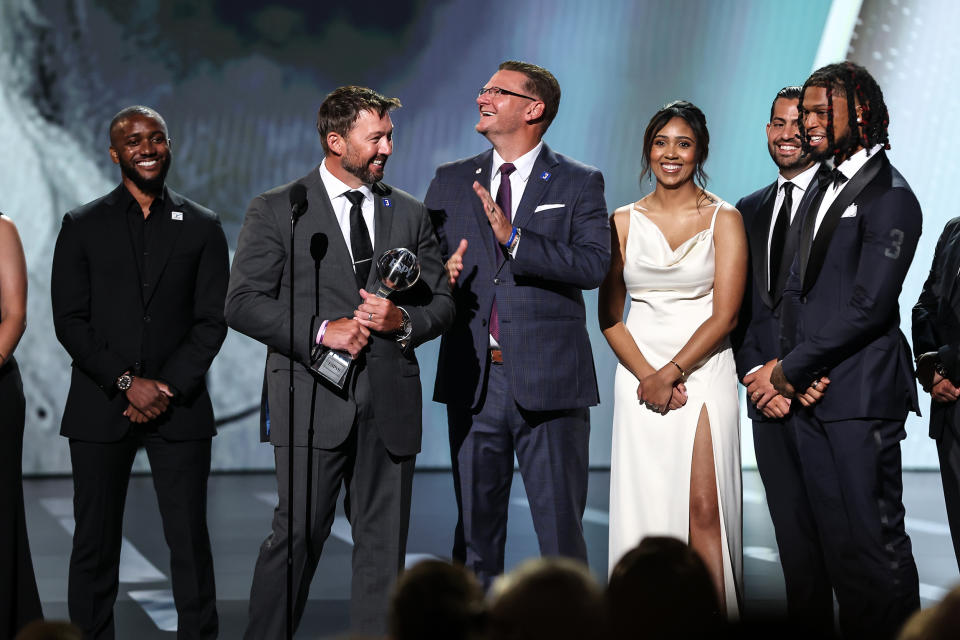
398, 269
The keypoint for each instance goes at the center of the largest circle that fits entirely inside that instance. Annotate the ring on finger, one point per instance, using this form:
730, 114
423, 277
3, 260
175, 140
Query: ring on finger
370, 316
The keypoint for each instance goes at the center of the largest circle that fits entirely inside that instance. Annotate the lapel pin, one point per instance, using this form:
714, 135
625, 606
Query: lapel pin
479, 170
176, 215
387, 202
545, 176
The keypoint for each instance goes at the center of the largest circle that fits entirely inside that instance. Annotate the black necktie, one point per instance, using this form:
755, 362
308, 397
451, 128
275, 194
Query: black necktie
359, 239
779, 237
827, 177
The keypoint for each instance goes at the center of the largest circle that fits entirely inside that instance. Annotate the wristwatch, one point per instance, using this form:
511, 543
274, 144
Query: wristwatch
940, 370
124, 382
406, 328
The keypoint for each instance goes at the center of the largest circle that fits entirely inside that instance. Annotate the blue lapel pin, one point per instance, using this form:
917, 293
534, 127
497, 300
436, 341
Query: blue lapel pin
545, 176
387, 202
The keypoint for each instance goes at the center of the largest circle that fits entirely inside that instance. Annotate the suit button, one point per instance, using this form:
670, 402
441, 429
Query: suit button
146, 319
483, 323
496, 281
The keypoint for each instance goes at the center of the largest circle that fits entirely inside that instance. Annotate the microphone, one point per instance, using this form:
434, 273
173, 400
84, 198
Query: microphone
318, 247
298, 200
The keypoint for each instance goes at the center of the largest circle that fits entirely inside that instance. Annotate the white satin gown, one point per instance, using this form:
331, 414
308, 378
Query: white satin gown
671, 295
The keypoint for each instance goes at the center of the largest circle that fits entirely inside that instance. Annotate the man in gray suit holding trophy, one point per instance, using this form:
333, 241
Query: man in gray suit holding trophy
361, 431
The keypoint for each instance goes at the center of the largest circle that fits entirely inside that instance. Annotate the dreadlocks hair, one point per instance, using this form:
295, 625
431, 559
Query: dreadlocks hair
855, 83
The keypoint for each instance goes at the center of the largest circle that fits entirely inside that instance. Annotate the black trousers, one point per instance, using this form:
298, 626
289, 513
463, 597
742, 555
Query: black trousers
101, 473
809, 593
948, 449
20, 602
853, 479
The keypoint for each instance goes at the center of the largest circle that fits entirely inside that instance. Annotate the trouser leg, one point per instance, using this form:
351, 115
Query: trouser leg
482, 456
809, 594
180, 473
101, 473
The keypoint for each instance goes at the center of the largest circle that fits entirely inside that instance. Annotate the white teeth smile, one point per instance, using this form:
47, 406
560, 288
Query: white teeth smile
378, 162
147, 163
670, 167
787, 148
815, 139
486, 113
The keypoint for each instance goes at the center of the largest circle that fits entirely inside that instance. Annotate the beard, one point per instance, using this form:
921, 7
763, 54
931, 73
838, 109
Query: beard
842, 148
148, 185
795, 163
361, 168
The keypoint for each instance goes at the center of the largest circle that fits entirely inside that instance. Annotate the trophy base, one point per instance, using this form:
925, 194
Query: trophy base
332, 365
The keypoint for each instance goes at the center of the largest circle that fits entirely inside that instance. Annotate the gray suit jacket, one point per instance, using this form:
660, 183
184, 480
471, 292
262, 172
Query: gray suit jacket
258, 305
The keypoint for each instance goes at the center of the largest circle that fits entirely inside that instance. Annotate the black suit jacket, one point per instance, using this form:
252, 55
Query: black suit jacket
936, 321
258, 301
841, 316
108, 324
757, 337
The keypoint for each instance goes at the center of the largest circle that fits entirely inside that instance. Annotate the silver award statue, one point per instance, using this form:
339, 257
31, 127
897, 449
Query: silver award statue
399, 269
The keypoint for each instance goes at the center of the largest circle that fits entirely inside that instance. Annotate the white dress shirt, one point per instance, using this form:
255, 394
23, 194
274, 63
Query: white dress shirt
336, 191
849, 168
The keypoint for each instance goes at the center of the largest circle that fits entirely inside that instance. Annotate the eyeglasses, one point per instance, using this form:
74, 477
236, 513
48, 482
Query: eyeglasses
496, 91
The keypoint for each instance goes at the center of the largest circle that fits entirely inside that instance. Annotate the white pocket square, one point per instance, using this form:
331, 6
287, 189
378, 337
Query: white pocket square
850, 212
544, 207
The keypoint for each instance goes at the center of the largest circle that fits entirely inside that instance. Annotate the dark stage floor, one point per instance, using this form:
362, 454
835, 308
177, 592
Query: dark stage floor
239, 518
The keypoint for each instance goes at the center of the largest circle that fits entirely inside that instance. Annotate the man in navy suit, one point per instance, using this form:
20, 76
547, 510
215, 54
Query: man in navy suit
840, 326
771, 217
936, 341
516, 369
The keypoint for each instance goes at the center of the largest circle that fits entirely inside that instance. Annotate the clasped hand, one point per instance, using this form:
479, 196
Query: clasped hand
811, 396
148, 399
762, 394
660, 394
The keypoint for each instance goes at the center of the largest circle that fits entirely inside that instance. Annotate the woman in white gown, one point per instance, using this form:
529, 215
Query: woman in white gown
680, 253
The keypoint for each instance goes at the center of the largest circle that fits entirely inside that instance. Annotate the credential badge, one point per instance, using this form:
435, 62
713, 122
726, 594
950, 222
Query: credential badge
176, 215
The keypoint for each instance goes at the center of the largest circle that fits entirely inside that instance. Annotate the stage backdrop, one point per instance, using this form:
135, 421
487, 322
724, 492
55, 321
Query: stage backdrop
239, 83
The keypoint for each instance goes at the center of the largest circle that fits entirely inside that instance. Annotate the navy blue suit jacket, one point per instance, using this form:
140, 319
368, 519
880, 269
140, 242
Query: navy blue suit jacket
936, 321
841, 316
564, 248
757, 338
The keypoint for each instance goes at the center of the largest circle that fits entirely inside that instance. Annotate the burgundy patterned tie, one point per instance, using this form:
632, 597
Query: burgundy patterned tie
504, 201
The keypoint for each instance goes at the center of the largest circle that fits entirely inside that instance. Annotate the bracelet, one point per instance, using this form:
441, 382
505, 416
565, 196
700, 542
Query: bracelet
683, 374
513, 235
323, 330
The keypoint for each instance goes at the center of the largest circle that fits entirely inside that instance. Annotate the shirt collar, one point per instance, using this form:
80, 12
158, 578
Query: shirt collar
336, 187
524, 163
802, 180
854, 163
127, 200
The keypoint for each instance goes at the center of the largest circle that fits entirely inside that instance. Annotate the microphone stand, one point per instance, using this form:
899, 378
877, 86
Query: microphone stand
290, 502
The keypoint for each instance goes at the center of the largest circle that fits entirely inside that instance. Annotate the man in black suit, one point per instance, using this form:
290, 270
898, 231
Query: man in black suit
840, 326
936, 341
771, 217
138, 282
365, 436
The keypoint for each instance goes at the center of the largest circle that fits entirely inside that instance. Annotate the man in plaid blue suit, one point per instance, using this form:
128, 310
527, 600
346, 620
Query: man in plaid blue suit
523, 231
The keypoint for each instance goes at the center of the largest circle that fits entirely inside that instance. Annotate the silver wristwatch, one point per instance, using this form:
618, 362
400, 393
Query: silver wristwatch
124, 382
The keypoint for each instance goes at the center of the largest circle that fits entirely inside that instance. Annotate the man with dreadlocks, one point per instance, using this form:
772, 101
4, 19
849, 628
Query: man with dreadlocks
840, 326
